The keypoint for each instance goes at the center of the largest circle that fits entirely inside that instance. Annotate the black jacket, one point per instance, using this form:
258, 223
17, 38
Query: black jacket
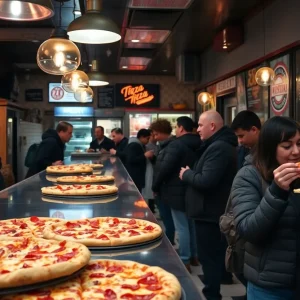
135, 162
173, 155
107, 144
121, 149
50, 150
269, 223
210, 181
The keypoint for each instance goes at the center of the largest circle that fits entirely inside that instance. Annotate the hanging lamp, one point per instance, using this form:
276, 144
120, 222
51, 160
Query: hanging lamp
204, 98
58, 55
265, 75
84, 95
74, 81
95, 77
26, 10
93, 27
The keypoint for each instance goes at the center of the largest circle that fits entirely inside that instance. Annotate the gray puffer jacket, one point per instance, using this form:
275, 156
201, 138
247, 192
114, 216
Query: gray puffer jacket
270, 225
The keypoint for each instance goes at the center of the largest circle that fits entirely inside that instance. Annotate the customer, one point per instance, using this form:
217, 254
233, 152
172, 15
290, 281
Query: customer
101, 142
51, 150
162, 133
246, 126
269, 221
209, 183
135, 157
120, 143
178, 153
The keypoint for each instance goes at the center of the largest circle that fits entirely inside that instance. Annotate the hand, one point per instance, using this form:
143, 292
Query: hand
112, 160
149, 154
182, 171
90, 150
58, 163
113, 151
102, 150
285, 174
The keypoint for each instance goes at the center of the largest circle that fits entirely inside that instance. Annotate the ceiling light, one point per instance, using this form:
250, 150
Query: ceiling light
124, 67
26, 10
77, 12
165, 70
58, 55
265, 76
224, 46
93, 27
204, 98
135, 41
84, 95
95, 77
74, 81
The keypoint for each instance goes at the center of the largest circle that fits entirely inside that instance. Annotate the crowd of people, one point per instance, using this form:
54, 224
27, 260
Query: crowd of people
190, 177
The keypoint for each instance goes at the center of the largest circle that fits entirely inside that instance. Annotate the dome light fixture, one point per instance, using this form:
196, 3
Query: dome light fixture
93, 27
26, 10
264, 76
75, 81
84, 95
95, 77
204, 98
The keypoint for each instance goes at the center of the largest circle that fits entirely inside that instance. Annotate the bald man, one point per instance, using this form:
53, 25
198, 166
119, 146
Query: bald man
208, 188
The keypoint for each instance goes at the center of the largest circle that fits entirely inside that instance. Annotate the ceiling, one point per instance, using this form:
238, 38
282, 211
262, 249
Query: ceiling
176, 31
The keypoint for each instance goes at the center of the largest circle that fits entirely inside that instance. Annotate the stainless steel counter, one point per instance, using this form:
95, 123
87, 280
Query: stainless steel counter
24, 199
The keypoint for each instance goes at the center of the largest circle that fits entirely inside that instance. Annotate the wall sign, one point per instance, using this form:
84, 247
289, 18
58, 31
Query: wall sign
34, 95
73, 111
137, 95
106, 96
58, 95
226, 85
279, 90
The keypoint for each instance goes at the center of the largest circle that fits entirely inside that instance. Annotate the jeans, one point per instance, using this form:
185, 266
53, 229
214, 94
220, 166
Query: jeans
166, 217
255, 292
185, 228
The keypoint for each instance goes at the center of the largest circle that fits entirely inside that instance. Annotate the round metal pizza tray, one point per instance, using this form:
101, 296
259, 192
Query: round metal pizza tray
39, 285
71, 200
124, 247
69, 174
87, 197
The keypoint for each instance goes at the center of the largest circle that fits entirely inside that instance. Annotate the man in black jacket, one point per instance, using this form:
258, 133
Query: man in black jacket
51, 149
209, 185
120, 142
179, 153
101, 142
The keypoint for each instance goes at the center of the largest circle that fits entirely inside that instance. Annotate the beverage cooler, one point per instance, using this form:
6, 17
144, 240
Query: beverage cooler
136, 120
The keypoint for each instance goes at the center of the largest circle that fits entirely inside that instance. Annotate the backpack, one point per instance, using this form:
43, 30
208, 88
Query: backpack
235, 252
31, 155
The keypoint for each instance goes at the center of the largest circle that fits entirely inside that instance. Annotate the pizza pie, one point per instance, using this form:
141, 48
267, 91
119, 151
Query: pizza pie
112, 280
79, 190
26, 227
86, 179
30, 260
104, 231
71, 169
93, 166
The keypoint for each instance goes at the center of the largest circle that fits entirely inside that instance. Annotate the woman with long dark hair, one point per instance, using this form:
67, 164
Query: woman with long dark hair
269, 221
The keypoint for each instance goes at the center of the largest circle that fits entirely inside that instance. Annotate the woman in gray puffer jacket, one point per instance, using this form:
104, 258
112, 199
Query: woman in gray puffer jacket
269, 222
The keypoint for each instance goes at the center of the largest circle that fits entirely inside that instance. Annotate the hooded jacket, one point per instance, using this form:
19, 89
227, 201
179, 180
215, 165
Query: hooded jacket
135, 161
173, 155
210, 180
50, 150
269, 222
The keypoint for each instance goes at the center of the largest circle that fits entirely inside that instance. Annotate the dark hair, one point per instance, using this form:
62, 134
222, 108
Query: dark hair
162, 126
100, 128
245, 120
275, 131
186, 122
117, 130
143, 133
63, 126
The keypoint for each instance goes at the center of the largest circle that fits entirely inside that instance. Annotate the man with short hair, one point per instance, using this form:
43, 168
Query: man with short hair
120, 143
246, 126
101, 142
208, 188
51, 150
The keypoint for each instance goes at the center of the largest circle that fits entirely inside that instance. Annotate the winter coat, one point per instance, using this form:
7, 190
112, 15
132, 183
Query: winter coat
107, 144
120, 147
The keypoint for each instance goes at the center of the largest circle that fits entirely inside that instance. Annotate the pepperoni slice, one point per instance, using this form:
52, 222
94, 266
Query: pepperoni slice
154, 287
110, 275
110, 232
110, 295
25, 266
131, 222
72, 225
12, 248
100, 187
94, 223
103, 237
88, 186
60, 249
32, 256
116, 221
67, 256
133, 232
116, 235
4, 272
148, 279
132, 287
59, 187
34, 219
23, 226
95, 267
149, 227
97, 275
115, 269
46, 298
129, 296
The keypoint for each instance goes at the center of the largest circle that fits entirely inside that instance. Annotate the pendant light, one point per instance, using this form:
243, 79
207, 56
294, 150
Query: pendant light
84, 95
204, 98
265, 75
95, 77
74, 81
93, 27
26, 10
58, 55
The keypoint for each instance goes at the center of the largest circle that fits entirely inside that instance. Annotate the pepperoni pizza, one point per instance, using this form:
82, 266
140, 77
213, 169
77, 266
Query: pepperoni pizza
70, 169
85, 179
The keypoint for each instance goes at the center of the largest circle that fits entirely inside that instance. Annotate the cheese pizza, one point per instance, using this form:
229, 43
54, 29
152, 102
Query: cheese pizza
30, 260
70, 169
86, 179
79, 190
112, 280
104, 231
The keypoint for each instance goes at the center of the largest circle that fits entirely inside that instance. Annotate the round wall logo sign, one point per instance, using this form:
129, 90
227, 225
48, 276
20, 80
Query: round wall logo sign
279, 94
57, 93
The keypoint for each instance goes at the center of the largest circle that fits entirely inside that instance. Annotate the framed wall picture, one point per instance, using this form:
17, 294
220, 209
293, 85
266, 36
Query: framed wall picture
106, 96
34, 95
